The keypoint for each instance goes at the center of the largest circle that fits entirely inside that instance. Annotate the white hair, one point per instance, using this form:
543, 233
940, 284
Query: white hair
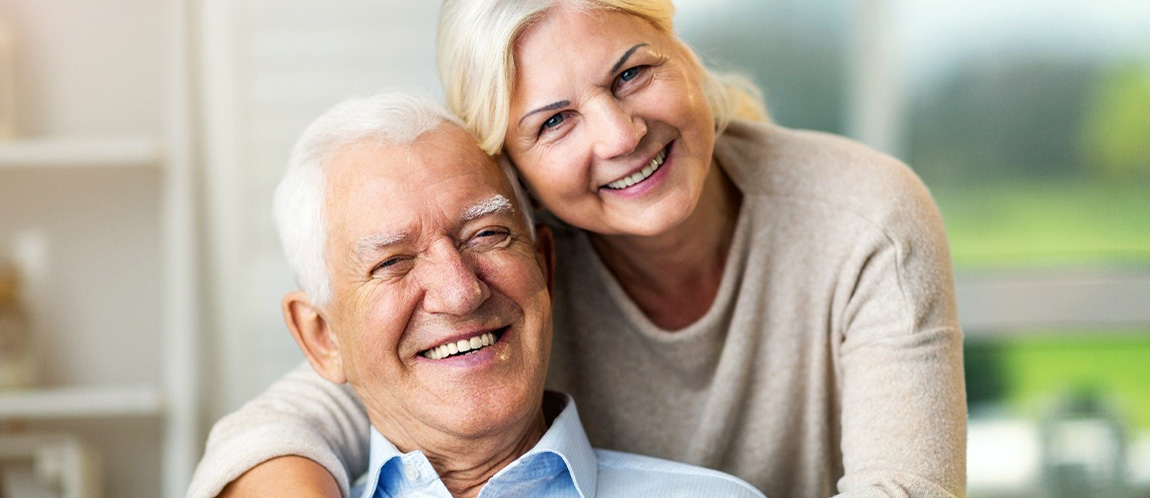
390, 119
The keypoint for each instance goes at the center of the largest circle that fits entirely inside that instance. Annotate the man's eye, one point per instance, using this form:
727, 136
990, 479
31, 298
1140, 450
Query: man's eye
391, 266
489, 238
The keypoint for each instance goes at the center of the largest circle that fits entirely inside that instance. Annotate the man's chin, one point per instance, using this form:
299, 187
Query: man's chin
492, 414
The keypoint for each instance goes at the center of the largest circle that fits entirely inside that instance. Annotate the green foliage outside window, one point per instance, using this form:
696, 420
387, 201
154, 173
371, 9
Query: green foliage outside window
1116, 128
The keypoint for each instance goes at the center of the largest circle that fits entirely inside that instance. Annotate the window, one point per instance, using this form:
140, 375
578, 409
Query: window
1029, 121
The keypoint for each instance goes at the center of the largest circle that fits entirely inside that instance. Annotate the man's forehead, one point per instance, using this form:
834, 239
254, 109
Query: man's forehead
407, 195
442, 174
438, 154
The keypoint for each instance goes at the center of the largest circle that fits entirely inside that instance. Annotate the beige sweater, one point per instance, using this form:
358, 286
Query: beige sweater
830, 362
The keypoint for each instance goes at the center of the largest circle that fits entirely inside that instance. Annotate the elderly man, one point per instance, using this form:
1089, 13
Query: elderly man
425, 289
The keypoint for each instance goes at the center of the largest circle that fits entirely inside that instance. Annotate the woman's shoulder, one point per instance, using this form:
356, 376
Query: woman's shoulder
812, 167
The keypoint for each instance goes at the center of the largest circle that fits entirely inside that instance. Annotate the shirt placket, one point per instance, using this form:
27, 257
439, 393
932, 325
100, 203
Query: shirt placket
418, 479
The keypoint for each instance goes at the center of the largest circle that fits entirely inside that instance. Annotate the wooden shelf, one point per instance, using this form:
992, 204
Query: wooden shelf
80, 402
80, 152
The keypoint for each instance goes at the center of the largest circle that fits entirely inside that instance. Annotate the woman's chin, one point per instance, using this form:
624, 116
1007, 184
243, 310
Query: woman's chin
659, 219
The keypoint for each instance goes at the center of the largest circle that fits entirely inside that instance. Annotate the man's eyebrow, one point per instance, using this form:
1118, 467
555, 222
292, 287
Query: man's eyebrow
495, 204
549, 107
626, 55
373, 243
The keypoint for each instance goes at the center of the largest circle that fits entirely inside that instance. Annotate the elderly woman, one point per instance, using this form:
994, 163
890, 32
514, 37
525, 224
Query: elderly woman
772, 303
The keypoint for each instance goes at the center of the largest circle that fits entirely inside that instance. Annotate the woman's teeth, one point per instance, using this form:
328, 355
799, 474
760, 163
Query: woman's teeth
640, 175
461, 346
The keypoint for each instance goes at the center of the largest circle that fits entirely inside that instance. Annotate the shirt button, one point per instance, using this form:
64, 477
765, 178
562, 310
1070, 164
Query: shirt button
412, 473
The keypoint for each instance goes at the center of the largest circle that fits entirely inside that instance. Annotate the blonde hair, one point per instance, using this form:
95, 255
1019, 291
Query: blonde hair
476, 57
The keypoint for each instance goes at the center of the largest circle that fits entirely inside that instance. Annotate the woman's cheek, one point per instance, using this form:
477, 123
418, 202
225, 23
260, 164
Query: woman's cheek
556, 165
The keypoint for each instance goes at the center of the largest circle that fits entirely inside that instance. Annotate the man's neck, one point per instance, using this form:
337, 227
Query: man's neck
466, 464
465, 474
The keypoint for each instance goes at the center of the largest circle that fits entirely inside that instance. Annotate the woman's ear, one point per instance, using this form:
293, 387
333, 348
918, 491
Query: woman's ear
545, 254
314, 336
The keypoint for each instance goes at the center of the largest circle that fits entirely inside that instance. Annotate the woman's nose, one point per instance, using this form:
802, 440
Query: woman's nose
451, 285
617, 132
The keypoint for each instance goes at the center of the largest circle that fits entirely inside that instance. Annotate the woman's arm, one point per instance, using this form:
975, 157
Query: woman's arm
903, 392
301, 414
284, 476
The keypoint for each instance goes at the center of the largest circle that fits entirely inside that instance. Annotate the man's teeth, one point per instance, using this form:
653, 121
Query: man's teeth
461, 346
640, 175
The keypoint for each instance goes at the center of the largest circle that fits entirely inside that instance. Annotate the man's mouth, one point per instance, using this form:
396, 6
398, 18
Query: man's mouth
464, 346
642, 174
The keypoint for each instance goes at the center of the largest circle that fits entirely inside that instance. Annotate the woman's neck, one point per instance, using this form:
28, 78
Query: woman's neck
674, 277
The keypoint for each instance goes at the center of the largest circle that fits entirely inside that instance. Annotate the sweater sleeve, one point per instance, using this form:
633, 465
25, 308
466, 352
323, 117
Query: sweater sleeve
902, 388
301, 414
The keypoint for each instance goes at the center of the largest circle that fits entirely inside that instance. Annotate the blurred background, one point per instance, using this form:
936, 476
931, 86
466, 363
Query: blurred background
140, 141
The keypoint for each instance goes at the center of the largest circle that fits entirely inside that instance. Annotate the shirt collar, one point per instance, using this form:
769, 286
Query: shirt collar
382, 451
565, 438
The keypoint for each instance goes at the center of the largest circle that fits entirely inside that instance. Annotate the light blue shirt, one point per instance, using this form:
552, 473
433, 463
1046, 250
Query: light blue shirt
562, 464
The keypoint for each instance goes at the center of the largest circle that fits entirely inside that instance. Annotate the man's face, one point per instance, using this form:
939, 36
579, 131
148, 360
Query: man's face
428, 258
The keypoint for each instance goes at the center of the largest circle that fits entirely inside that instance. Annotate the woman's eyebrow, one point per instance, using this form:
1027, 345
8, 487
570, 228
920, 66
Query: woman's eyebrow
549, 107
626, 55
564, 103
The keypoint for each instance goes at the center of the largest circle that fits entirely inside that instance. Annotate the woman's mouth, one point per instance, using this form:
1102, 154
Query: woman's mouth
642, 174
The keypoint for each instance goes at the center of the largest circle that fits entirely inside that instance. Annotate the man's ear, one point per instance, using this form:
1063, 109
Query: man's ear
314, 336
545, 253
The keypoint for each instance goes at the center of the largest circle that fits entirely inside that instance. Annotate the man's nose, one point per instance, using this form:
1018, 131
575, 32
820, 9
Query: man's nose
451, 283
616, 131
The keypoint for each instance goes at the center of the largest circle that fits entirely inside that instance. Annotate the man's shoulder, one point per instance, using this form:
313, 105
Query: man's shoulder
628, 474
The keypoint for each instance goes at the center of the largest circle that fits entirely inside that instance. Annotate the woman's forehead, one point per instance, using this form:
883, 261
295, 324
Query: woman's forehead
584, 15
574, 40
568, 54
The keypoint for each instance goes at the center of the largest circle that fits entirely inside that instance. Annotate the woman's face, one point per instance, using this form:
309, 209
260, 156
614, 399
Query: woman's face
609, 125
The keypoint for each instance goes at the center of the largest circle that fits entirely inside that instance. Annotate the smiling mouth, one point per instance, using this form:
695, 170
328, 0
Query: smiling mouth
464, 346
642, 174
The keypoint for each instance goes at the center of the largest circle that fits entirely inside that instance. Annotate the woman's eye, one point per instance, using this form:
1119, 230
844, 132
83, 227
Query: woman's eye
553, 121
629, 75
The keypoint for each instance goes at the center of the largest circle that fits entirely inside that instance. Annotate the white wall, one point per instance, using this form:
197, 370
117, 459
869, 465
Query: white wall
270, 68
90, 68
94, 69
